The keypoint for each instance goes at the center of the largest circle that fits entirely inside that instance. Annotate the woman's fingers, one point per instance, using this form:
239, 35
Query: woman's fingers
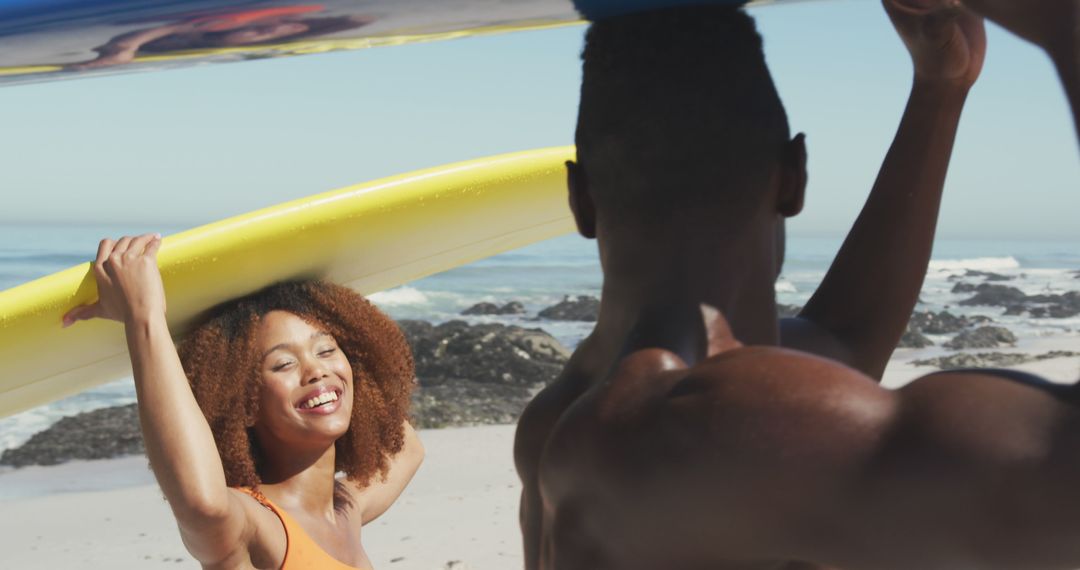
121, 283
122, 246
81, 313
154, 245
138, 245
104, 250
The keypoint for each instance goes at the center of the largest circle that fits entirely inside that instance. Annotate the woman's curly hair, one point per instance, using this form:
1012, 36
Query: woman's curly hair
221, 363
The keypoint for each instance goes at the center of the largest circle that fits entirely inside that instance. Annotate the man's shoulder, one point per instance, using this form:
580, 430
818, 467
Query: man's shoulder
547, 407
751, 402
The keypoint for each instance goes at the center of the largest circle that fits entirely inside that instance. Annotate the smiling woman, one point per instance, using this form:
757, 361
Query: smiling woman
248, 424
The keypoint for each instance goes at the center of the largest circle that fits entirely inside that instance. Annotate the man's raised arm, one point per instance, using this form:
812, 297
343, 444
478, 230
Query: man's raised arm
865, 301
1053, 25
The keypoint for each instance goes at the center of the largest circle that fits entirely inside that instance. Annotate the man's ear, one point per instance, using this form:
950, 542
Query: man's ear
793, 177
581, 202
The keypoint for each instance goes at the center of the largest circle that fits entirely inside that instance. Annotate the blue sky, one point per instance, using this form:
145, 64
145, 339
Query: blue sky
191, 146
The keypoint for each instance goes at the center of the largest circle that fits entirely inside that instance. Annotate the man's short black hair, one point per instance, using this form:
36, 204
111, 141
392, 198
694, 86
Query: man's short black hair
678, 101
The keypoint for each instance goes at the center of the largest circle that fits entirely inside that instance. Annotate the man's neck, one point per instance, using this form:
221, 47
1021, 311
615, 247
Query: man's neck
694, 302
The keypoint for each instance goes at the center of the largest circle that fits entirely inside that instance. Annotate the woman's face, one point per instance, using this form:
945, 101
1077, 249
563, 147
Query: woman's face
307, 383
263, 33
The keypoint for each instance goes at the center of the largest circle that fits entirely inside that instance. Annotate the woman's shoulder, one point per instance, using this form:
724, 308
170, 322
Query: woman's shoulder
267, 539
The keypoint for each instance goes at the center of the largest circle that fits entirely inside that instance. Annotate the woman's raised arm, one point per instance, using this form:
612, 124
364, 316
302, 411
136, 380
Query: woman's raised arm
214, 522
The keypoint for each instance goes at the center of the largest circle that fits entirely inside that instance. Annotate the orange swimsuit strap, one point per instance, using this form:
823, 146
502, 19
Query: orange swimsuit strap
301, 552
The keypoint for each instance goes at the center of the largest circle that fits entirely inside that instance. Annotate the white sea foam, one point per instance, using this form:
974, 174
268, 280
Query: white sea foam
785, 286
975, 263
399, 296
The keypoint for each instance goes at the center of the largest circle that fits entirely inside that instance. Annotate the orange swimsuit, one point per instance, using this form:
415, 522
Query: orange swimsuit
301, 552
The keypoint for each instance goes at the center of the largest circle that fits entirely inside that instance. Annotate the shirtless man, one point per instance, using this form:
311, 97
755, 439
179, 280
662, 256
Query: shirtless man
681, 436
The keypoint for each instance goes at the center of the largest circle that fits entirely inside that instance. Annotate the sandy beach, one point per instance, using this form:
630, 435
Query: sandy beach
459, 513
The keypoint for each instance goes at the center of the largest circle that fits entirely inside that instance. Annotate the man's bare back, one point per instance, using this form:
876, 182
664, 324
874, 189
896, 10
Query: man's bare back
756, 456
667, 443
573, 430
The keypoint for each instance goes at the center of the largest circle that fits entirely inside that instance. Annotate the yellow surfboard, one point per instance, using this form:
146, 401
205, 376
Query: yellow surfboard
371, 237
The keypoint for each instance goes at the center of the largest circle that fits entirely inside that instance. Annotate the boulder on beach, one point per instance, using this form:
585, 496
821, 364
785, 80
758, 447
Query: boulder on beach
99, 434
580, 308
944, 322
479, 374
982, 337
963, 287
511, 308
1055, 306
995, 296
912, 338
483, 353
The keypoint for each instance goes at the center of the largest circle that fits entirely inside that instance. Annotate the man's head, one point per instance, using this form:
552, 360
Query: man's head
678, 116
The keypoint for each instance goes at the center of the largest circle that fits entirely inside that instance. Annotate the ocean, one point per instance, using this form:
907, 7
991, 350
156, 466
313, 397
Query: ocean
542, 274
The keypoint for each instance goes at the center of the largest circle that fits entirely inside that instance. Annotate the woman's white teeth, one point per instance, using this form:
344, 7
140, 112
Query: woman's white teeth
324, 398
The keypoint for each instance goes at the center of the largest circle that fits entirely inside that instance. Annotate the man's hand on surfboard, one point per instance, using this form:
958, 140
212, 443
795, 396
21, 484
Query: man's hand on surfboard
947, 42
128, 281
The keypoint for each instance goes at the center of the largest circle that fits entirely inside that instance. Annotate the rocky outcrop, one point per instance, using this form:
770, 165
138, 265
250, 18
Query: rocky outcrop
963, 288
580, 308
479, 374
912, 338
944, 322
990, 359
511, 308
995, 296
1016, 302
982, 337
1054, 306
100, 434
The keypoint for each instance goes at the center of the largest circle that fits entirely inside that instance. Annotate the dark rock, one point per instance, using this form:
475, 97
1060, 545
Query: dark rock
996, 296
989, 359
912, 338
963, 288
1012, 310
982, 337
581, 308
1056, 306
479, 374
1063, 311
511, 308
100, 434
937, 323
787, 311
464, 403
483, 353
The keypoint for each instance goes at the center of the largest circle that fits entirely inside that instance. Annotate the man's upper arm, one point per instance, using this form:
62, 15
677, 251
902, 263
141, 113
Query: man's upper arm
801, 334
